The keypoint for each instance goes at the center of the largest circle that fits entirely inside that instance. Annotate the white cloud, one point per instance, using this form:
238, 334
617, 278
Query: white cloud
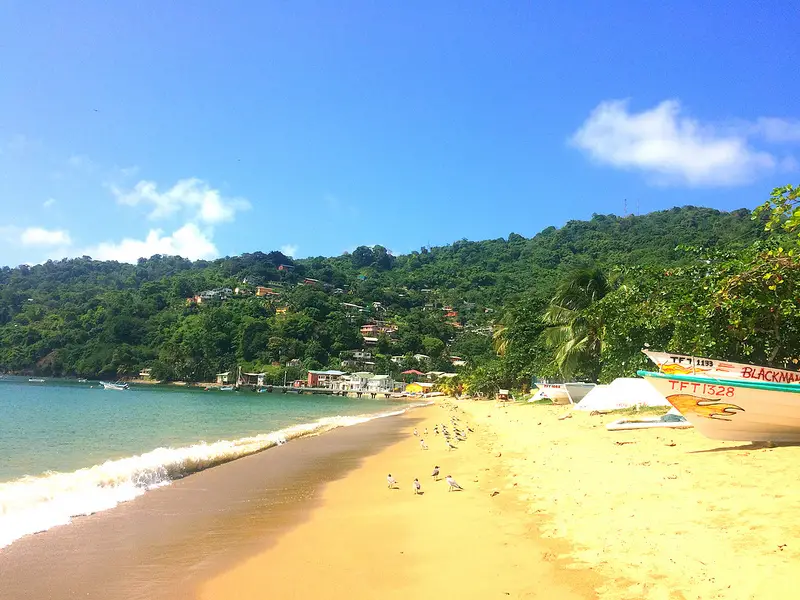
128, 171
289, 250
777, 130
204, 203
38, 236
79, 161
188, 241
48, 203
671, 148
20, 144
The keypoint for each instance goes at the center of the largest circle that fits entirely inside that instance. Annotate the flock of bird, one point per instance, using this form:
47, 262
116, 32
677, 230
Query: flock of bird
459, 434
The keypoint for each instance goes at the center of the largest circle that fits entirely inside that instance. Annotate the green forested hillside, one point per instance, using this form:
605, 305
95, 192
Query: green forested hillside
482, 301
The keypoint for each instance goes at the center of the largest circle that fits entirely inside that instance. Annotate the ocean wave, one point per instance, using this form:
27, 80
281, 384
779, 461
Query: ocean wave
34, 504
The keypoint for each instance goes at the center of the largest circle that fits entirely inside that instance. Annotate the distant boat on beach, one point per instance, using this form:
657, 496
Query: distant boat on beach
735, 408
119, 385
35, 380
562, 393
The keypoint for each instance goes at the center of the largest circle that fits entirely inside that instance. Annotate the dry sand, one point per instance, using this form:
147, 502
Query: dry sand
660, 514
364, 540
581, 513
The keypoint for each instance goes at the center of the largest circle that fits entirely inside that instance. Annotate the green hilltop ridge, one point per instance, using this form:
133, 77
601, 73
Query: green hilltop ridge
502, 306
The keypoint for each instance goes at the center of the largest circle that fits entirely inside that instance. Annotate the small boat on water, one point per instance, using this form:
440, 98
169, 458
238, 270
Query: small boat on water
679, 364
226, 388
734, 408
83, 381
119, 385
35, 380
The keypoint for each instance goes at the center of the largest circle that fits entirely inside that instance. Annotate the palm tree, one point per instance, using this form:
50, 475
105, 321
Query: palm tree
500, 339
572, 330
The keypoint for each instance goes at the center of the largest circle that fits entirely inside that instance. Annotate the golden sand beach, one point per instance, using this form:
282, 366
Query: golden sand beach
581, 513
659, 514
364, 540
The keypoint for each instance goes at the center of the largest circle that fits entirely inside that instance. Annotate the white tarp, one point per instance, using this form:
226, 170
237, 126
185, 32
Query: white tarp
625, 392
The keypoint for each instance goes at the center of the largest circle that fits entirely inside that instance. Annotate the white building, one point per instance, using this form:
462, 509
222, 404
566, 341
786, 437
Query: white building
380, 383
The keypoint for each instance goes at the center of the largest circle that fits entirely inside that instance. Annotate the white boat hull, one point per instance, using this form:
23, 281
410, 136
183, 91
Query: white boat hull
113, 386
679, 364
732, 409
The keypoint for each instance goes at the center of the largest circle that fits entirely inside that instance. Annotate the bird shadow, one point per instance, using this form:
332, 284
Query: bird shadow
420, 493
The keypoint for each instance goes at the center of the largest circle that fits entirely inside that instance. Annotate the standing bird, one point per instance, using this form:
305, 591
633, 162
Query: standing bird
391, 481
423, 445
452, 483
417, 487
415, 431
449, 445
426, 431
435, 473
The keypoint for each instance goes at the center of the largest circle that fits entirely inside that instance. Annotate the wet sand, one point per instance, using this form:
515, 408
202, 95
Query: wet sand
162, 544
363, 540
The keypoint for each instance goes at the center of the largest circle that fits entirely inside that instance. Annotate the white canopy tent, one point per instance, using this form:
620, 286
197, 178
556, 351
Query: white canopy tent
625, 392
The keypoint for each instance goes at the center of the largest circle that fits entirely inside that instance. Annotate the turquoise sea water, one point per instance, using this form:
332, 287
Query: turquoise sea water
59, 426
69, 448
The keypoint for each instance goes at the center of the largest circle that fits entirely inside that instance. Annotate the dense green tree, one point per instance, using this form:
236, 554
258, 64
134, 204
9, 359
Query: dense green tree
574, 331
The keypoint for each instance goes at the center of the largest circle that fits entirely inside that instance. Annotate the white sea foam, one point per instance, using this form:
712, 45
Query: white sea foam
35, 504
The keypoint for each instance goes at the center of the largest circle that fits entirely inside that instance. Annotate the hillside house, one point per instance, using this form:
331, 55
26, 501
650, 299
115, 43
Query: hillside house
285, 268
265, 291
374, 329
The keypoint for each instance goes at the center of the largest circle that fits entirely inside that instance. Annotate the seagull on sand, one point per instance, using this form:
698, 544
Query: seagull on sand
435, 473
415, 431
423, 445
417, 487
391, 481
449, 445
452, 483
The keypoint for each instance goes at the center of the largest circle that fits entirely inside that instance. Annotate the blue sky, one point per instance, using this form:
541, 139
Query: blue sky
216, 128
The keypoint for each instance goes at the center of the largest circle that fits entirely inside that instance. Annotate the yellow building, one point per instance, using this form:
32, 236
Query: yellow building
417, 388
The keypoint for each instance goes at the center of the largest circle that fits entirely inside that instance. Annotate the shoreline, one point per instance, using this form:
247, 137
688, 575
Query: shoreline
364, 540
552, 507
162, 544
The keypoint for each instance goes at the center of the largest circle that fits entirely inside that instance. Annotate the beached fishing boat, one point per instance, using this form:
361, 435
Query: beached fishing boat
562, 393
679, 364
734, 408
119, 385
